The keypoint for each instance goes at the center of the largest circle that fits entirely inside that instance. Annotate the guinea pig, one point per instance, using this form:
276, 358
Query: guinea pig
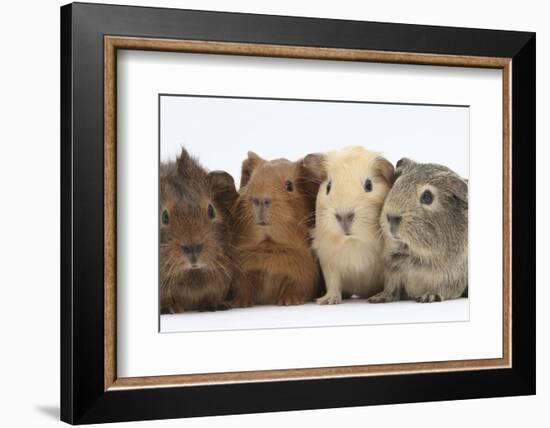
425, 224
272, 214
197, 260
346, 237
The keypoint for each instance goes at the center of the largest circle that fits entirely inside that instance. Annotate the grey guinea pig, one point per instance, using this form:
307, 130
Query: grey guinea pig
425, 229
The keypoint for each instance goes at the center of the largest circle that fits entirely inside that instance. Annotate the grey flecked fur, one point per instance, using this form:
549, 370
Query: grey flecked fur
426, 255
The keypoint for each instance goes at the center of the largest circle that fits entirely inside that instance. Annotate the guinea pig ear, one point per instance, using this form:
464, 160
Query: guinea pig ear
458, 187
188, 167
313, 167
310, 174
249, 165
404, 162
384, 169
223, 188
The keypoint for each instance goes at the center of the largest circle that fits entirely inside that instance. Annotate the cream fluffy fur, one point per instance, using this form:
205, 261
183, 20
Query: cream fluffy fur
351, 263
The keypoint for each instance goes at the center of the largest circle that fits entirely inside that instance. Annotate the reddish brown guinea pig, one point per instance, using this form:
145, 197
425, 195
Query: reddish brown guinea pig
196, 256
273, 215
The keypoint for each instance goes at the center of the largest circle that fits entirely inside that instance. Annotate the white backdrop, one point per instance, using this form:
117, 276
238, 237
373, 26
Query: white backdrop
30, 135
220, 131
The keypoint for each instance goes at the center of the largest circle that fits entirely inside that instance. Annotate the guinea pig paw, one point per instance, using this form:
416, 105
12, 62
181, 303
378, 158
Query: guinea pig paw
429, 298
330, 299
223, 306
290, 301
382, 297
208, 307
240, 302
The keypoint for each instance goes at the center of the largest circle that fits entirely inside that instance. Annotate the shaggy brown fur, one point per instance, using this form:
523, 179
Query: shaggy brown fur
273, 214
196, 256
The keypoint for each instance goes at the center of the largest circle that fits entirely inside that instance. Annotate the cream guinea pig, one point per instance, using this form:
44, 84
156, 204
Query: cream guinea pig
347, 233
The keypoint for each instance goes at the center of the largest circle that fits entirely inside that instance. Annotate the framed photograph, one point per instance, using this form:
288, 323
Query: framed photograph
266, 213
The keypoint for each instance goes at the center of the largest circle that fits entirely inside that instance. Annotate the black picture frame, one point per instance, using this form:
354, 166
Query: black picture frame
83, 398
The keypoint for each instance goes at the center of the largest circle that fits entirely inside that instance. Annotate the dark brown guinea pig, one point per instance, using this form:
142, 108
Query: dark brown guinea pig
196, 256
272, 218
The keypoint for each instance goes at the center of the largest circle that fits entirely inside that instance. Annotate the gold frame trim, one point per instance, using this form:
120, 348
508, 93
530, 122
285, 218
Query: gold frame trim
112, 43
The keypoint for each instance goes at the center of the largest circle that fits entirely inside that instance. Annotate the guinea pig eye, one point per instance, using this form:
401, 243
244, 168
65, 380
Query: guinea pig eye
426, 197
289, 186
368, 185
165, 218
211, 212
329, 186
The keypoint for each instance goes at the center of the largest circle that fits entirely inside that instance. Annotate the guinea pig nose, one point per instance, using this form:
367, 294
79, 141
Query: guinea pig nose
393, 220
192, 250
345, 220
346, 217
267, 201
